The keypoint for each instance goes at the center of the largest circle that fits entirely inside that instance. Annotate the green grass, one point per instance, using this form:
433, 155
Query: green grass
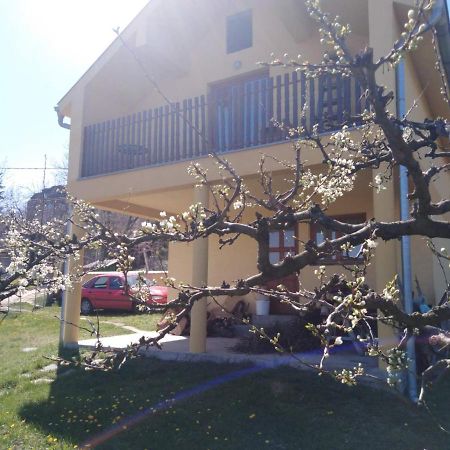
144, 322
271, 409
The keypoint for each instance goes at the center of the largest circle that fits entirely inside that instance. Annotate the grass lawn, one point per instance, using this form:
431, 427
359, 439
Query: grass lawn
271, 409
143, 322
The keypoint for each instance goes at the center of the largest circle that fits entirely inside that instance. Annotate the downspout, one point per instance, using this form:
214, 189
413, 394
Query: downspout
439, 20
61, 122
406, 241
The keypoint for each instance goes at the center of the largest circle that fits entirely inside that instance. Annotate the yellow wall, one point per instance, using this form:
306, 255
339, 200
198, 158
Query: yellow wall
182, 46
239, 261
186, 60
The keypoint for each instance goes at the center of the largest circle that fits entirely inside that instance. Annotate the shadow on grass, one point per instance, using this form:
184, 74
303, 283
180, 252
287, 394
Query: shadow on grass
83, 404
281, 408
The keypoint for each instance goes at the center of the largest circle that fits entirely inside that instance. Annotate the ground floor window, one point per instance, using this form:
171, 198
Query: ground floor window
320, 234
281, 244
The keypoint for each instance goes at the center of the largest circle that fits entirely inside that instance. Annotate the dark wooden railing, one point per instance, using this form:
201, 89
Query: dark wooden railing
236, 116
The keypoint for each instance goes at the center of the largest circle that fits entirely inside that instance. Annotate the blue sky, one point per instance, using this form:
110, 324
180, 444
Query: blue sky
45, 46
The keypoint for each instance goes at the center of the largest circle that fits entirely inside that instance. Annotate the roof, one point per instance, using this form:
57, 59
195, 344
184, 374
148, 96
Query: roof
125, 34
441, 23
443, 37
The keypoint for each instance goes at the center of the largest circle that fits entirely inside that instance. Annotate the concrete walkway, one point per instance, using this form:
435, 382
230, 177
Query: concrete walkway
219, 350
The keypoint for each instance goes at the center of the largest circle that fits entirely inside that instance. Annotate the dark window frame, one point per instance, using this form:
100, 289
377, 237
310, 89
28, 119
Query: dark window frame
239, 31
339, 258
112, 286
282, 249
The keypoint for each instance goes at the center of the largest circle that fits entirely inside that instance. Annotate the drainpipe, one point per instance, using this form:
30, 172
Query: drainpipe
439, 20
406, 241
61, 122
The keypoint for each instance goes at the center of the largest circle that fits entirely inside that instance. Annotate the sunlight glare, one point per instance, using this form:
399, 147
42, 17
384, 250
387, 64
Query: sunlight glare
76, 32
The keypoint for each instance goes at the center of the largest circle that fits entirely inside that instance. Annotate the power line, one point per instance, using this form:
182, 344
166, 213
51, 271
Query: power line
34, 168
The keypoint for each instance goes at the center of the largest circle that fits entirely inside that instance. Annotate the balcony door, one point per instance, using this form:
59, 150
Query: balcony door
240, 112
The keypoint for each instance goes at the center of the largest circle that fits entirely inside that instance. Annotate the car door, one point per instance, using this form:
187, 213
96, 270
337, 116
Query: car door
117, 298
97, 292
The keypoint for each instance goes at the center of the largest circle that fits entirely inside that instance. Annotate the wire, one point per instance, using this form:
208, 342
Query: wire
34, 168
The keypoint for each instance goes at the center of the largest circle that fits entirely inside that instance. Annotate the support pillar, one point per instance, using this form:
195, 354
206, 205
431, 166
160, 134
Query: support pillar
197, 342
385, 204
386, 259
70, 311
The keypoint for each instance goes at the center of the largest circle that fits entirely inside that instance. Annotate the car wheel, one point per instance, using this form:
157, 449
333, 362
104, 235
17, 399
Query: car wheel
86, 307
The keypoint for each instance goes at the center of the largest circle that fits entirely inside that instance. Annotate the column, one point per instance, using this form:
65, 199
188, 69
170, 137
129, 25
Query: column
383, 30
70, 311
197, 342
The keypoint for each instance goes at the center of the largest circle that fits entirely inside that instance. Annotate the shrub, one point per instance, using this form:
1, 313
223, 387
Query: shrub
293, 336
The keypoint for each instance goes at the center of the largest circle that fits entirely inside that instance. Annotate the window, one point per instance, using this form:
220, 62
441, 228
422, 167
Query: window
116, 283
239, 31
100, 283
319, 235
281, 243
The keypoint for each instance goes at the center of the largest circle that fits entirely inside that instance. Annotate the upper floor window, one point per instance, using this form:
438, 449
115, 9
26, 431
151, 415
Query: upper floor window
239, 31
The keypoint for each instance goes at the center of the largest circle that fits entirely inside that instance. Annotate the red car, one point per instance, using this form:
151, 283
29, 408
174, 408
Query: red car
107, 291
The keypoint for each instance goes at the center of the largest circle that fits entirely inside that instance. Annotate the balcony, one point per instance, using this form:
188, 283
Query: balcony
233, 116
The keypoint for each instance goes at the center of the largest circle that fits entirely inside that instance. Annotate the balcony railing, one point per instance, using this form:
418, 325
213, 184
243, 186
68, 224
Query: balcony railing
234, 116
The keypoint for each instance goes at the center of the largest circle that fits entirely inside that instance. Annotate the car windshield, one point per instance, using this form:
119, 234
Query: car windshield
137, 280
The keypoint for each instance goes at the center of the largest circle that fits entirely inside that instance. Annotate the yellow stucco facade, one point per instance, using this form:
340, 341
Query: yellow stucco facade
180, 47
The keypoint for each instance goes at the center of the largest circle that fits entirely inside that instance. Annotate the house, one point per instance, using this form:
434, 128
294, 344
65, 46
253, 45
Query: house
182, 78
48, 204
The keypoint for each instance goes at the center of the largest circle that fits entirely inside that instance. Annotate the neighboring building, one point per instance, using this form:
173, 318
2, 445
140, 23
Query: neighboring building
129, 149
49, 204
52, 204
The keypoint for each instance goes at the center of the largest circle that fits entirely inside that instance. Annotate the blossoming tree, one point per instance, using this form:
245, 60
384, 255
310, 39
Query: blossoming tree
385, 142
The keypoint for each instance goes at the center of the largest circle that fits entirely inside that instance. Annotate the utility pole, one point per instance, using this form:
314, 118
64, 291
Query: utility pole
43, 189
